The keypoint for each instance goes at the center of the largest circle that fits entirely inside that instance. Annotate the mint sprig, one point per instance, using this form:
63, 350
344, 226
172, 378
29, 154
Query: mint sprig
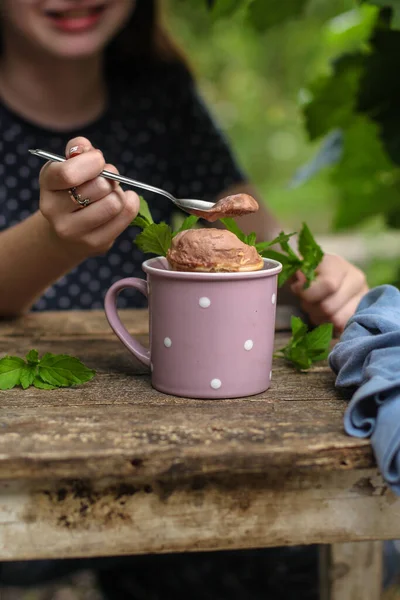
306, 347
156, 238
50, 372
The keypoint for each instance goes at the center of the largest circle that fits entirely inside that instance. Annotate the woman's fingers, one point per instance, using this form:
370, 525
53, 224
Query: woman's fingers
330, 305
73, 172
330, 274
102, 238
335, 294
98, 188
84, 220
91, 229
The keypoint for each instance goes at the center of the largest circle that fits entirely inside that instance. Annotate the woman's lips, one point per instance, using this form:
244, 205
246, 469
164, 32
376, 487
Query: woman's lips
77, 20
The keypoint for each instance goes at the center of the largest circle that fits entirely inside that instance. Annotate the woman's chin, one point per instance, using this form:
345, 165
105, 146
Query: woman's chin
74, 47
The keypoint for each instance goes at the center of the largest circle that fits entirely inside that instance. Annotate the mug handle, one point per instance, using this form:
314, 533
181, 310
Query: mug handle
110, 307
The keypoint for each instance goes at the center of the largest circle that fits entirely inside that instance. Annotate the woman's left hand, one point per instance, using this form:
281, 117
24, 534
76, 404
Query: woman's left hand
335, 293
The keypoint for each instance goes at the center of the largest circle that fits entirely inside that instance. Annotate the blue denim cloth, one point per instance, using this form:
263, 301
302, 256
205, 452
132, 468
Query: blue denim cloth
367, 359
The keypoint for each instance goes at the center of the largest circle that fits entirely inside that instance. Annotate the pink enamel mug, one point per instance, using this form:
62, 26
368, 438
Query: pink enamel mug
211, 334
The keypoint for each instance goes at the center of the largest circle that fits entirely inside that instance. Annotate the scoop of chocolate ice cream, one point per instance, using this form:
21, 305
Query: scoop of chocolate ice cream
212, 250
230, 206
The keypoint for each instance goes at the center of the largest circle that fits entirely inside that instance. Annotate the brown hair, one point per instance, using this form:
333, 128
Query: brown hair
144, 39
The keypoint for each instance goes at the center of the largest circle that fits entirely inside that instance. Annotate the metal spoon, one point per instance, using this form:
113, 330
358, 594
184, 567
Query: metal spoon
186, 204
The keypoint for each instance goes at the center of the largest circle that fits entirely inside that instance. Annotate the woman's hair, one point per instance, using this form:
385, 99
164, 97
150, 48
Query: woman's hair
144, 40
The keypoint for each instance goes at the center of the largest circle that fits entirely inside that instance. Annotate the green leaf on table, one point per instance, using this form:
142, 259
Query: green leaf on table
299, 328
42, 385
28, 374
11, 368
307, 347
32, 357
188, 223
155, 239
62, 370
264, 14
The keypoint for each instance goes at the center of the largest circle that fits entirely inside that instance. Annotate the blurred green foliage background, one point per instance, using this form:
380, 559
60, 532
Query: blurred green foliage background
252, 82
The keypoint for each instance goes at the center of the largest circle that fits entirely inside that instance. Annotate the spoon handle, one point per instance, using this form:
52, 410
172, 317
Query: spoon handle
108, 175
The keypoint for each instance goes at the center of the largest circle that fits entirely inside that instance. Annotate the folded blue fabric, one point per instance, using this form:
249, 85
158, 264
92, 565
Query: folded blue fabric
367, 359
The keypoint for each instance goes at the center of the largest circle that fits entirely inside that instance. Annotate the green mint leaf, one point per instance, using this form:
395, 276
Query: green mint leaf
299, 329
251, 239
281, 238
42, 385
11, 368
307, 347
62, 370
141, 222
143, 219
320, 338
284, 244
188, 223
28, 375
299, 357
32, 357
289, 265
311, 252
155, 239
144, 210
231, 225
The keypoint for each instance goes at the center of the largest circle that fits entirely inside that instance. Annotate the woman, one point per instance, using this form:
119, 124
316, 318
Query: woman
76, 75
106, 71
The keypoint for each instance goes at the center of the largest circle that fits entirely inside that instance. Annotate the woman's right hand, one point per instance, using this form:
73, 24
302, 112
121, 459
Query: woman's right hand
93, 229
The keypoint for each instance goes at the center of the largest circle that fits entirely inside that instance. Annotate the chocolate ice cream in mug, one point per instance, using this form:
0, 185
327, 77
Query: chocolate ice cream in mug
212, 305
211, 334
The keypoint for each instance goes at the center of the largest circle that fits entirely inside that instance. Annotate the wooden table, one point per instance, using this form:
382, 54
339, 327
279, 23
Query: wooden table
114, 467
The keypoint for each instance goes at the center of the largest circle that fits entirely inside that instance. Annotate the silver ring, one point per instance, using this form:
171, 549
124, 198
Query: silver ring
77, 198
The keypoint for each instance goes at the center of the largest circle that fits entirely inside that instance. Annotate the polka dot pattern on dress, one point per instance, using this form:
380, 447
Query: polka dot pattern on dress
169, 140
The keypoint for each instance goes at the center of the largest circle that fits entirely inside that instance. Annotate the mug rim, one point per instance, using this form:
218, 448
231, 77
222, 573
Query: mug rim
271, 267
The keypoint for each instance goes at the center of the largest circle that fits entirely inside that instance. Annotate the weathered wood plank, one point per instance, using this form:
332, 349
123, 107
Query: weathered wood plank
351, 571
72, 323
117, 420
84, 518
152, 439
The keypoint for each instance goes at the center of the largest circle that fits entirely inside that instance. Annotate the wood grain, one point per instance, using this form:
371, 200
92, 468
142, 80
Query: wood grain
351, 571
119, 425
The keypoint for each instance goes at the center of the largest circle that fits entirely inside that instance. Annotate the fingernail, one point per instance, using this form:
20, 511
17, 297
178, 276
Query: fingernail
75, 151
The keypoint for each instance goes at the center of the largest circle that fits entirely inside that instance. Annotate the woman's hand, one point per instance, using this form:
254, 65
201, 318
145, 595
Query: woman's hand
90, 230
335, 294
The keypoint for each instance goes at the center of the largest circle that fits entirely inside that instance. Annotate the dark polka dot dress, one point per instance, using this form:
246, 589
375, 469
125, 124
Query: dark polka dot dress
157, 130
